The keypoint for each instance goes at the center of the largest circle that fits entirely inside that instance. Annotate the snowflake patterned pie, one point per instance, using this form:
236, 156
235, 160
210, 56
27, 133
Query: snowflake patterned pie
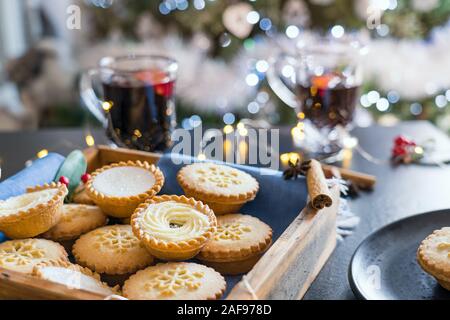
76, 220
73, 276
238, 243
120, 187
112, 250
175, 281
433, 256
32, 213
23, 255
224, 189
173, 227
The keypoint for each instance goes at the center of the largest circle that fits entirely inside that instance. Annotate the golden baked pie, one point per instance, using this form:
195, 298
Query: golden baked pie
175, 281
173, 227
73, 276
238, 243
32, 213
433, 256
113, 250
224, 189
119, 188
76, 220
23, 255
81, 196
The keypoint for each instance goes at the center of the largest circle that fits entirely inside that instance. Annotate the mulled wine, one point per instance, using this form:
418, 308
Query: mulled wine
137, 104
142, 113
327, 102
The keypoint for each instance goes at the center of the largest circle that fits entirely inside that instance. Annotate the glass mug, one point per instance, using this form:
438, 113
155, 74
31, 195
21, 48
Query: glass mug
136, 103
321, 83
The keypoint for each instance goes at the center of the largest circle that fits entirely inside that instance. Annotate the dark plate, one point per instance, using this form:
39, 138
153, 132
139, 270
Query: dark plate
384, 266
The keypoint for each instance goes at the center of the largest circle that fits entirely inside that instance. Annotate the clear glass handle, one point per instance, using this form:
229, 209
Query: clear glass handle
89, 98
277, 85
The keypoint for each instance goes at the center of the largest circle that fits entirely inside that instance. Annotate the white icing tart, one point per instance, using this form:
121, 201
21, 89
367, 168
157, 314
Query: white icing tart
173, 227
173, 221
124, 181
26, 201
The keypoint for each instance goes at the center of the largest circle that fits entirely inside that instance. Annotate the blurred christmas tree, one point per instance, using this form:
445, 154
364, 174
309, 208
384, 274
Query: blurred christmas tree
227, 28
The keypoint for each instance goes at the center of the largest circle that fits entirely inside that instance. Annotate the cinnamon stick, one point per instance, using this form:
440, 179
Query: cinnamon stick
317, 186
362, 180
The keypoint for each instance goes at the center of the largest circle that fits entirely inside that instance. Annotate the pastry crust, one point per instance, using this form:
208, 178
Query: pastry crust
100, 287
113, 250
223, 188
175, 281
123, 207
38, 219
433, 256
81, 196
173, 250
23, 255
238, 243
76, 220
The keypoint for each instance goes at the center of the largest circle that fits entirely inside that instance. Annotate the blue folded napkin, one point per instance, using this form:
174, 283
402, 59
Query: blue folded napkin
277, 203
41, 171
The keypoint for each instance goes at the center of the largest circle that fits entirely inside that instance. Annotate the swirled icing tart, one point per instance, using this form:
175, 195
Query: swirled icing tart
433, 256
173, 227
119, 188
112, 250
76, 220
32, 213
238, 243
224, 189
23, 255
175, 281
73, 276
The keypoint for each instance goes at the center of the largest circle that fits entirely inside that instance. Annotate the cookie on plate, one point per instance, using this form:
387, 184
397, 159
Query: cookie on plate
120, 187
112, 250
433, 256
76, 220
224, 189
173, 227
23, 255
175, 281
73, 276
238, 243
32, 213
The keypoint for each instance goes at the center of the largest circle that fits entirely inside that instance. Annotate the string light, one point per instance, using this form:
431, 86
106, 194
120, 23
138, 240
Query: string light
229, 118
262, 66
107, 105
201, 156
337, 31
253, 107
253, 17
243, 132
228, 129
252, 79
90, 141
292, 32
42, 154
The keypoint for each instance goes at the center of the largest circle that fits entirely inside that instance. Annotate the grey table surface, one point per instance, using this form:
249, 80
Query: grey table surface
400, 191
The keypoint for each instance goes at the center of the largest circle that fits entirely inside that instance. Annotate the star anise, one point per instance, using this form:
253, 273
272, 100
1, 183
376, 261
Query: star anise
296, 168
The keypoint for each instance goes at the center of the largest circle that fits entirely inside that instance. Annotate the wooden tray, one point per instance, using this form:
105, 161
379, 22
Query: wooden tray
285, 271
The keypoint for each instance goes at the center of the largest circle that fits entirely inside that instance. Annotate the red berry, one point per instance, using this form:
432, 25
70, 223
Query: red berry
401, 141
399, 151
64, 180
85, 177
